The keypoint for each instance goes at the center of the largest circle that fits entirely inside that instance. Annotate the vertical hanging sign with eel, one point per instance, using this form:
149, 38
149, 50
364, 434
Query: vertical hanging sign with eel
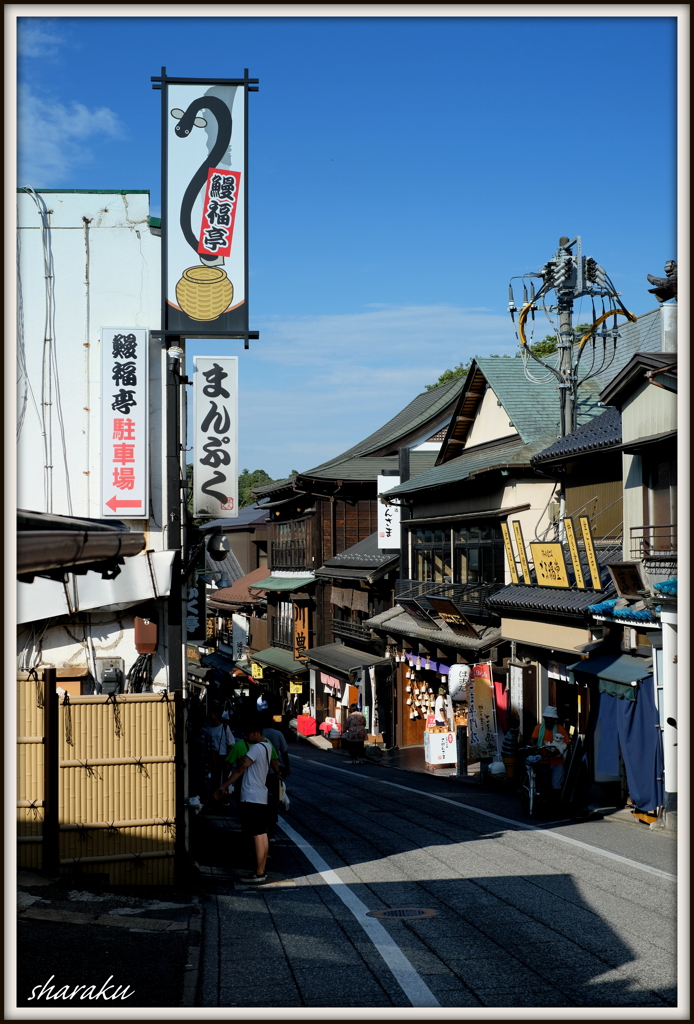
204, 207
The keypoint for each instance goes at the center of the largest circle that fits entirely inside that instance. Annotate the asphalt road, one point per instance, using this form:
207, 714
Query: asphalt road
570, 915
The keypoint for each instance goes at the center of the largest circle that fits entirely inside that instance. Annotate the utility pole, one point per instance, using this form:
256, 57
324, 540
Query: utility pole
570, 275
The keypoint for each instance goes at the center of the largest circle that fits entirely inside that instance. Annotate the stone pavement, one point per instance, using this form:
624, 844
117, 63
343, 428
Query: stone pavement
576, 915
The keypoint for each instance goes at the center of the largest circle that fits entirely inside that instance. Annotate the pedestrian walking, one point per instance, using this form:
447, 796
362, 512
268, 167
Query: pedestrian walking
279, 744
253, 769
355, 734
217, 739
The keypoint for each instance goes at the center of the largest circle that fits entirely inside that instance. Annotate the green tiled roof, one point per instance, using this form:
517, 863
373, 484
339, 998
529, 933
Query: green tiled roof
513, 453
420, 411
370, 467
282, 660
282, 583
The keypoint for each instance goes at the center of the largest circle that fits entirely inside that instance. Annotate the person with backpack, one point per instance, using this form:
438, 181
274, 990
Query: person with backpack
253, 769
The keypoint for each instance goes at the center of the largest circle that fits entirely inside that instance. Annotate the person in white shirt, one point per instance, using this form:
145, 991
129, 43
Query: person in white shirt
440, 707
253, 770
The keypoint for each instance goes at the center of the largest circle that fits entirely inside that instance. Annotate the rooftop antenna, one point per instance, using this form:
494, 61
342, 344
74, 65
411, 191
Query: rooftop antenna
571, 275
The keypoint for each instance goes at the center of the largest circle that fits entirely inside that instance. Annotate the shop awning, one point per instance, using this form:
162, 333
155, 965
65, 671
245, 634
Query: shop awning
618, 673
220, 661
274, 657
341, 658
284, 583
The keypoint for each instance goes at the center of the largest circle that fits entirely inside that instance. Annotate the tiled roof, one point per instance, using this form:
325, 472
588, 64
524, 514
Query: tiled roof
415, 416
545, 599
397, 622
511, 453
367, 468
364, 554
239, 592
602, 432
249, 515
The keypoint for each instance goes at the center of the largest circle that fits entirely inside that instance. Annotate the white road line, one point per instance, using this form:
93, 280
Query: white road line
404, 973
498, 817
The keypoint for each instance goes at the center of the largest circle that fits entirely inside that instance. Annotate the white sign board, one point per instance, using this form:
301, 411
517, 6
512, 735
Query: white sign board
439, 748
516, 688
239, 635
388, 516
124, 422
205, 231
215, 437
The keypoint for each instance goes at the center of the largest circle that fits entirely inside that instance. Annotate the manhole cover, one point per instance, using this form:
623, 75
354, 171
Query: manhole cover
402, 912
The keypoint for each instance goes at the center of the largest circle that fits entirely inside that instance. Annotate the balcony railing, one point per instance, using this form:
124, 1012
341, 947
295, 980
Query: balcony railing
654, 543
290, 554
470, 598
350, 630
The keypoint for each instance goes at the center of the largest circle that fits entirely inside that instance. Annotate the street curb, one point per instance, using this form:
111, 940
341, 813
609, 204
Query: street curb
190, 979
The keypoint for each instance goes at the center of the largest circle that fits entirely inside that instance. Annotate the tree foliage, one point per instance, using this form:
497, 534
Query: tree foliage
247, 481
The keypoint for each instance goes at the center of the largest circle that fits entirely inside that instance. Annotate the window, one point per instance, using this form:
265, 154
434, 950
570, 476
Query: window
478, 554
432, 555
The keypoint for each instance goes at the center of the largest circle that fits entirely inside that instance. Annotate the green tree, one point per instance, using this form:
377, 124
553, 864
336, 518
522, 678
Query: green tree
548, 345
247, 481
461, 370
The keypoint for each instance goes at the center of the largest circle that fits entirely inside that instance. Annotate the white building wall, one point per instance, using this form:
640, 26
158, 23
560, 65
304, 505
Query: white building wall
491, 421
105, 272
534, 521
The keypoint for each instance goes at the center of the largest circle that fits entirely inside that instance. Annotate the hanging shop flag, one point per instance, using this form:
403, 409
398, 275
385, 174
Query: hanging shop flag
550, 567
590, 552
387, 516
240, 630
196, 612
481, 722
204, 206
521, 551
516, 688
510, 555
215, 437
573, 549
372, 679
330, 681
124, 422
300, 629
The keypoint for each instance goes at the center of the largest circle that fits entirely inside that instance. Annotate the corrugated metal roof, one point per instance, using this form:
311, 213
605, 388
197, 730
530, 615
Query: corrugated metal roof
602, 432
283, 583
511, 453
341, 658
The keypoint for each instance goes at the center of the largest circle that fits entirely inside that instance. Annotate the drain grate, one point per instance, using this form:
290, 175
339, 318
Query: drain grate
402, 912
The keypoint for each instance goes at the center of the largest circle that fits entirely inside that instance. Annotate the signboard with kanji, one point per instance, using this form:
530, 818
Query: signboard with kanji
573, 549
510, 556
196, 612
550, 566
387, 516
215, 437
590, 552
481, 716
204, 207
300, 629
124, 423
452, 616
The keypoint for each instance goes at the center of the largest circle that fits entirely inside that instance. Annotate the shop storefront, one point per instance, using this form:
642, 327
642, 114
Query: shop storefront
339, 677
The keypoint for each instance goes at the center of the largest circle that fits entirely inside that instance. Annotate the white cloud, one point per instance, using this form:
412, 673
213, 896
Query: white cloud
52, 137
37, 38
313, 386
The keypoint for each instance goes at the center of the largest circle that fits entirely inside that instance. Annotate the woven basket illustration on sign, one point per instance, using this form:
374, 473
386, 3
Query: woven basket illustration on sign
204, 293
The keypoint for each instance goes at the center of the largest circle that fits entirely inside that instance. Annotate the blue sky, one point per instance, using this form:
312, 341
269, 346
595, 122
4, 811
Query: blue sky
400, 171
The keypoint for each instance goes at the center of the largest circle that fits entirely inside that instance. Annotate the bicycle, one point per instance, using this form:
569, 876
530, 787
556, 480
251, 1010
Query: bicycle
533, 785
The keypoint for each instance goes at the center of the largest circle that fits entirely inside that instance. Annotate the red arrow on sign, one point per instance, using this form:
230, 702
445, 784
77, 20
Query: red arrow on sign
115, 504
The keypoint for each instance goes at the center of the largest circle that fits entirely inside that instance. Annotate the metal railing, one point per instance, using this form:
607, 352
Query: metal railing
658, 543
350, 630
470, 598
